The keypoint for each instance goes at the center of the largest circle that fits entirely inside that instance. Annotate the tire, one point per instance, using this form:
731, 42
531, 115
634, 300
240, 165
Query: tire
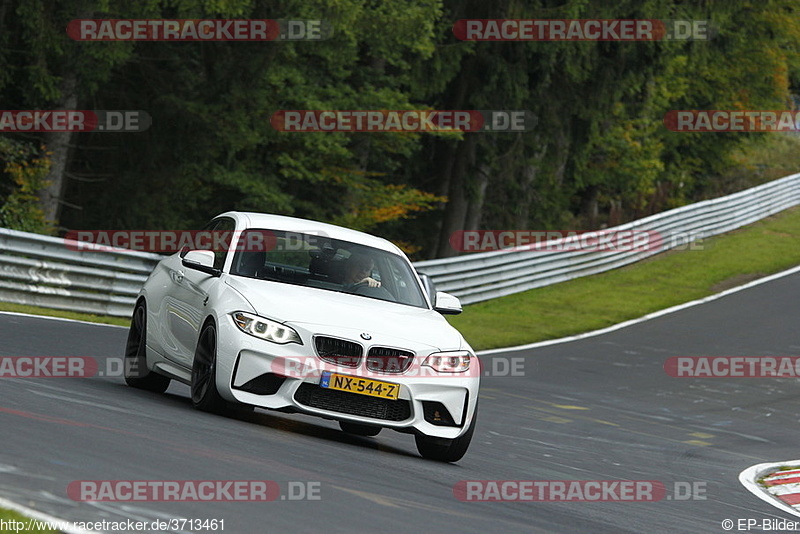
359, 430
443, 449
135, 365
205, 396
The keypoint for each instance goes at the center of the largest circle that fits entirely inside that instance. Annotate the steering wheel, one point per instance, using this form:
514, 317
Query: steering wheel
380, 292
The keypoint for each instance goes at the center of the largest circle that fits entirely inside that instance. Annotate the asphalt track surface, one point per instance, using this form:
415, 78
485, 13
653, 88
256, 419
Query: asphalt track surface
600, 408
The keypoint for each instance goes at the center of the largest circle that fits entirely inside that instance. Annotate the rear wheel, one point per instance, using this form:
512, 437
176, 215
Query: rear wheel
135, 365
358, 429
443, 449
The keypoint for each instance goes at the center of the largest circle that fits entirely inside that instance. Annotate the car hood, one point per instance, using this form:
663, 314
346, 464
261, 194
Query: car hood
330, 312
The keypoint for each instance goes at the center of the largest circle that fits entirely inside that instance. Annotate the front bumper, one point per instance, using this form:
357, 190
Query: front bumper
287, 377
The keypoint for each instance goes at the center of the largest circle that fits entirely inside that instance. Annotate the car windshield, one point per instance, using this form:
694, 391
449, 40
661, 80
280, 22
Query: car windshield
323, 263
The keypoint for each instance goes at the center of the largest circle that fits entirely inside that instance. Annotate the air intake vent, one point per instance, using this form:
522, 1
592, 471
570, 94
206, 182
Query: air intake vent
266, 384
351, 403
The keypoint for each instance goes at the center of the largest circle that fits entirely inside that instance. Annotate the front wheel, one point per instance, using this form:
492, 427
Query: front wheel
135, 365
205, 396
443, 449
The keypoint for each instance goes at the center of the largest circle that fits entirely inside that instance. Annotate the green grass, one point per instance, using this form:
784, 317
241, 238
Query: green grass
36, 310
8, 515
609, 298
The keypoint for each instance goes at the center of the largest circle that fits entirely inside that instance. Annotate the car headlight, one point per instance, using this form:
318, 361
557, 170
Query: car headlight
265, 329
449, 362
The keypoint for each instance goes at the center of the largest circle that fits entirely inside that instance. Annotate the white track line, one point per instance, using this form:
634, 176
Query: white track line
20, 314
647, 317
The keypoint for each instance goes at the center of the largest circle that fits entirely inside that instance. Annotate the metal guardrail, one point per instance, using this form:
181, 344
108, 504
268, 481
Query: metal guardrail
487, 275
54, 273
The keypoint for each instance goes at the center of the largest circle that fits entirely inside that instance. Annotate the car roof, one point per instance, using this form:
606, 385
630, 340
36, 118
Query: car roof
267, 221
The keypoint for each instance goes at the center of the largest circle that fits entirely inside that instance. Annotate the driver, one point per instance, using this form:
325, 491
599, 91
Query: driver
358, 270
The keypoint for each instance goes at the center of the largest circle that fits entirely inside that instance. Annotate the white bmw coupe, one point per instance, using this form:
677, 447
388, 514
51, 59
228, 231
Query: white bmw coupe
300, 316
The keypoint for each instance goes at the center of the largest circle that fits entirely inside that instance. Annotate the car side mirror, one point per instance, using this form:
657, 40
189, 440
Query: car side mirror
201, 260
447, 304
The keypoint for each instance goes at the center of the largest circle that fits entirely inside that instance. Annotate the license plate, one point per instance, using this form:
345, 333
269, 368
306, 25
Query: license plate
362, 386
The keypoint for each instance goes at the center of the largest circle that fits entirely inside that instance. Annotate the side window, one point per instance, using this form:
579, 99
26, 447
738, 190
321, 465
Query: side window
207, 228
